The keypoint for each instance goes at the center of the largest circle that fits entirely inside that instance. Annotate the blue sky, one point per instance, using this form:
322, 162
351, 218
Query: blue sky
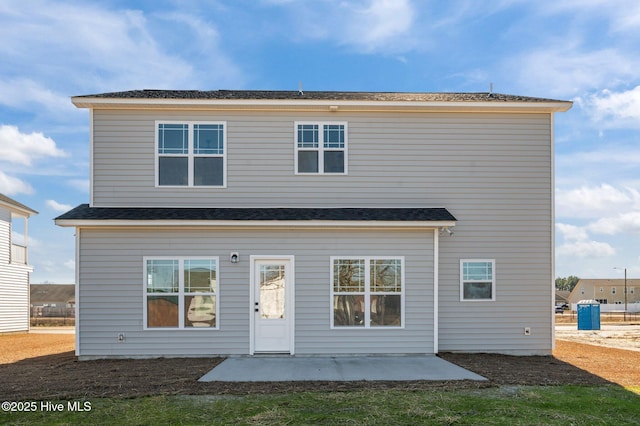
586, 51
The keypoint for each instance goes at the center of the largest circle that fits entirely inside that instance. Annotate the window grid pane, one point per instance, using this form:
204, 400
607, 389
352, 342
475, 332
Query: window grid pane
200, 276
208, 139
173, 139
334, 136
386, 276
477, 271
348, 276
307, 136
162, 276
200, 311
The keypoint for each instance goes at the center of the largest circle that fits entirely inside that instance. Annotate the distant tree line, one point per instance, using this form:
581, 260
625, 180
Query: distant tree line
567, 283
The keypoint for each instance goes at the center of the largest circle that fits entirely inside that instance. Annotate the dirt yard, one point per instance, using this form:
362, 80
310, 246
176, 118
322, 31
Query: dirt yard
43, 366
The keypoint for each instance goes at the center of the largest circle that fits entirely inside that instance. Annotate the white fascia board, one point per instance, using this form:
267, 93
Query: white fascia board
239, 224
317, 104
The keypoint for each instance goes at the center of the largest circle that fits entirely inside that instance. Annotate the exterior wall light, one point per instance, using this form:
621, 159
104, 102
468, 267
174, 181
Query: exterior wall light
234, 257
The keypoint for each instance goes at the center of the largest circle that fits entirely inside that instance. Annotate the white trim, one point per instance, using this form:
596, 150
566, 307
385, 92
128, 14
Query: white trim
91, 159
328, 224
493, 280
289, 298
367, 292
320, 105
320, 149
191, 156
181, 293
552, 279
77, 293
436, 291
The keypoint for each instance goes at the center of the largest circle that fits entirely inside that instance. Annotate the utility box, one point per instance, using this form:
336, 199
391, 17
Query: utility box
588, 315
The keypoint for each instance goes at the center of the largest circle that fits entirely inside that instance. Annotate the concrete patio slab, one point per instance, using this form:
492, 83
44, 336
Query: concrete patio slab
341, 368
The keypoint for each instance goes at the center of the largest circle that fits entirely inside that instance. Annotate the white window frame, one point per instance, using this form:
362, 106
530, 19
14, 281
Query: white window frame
463, 281
191, 155
321, 148
367, 293
181, 293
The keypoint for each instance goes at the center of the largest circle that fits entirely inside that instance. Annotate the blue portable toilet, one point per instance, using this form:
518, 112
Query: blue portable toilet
588, 315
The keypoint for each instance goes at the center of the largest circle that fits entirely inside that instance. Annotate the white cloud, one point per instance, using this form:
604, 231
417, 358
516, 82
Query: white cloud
628, 222
26, 94
585, 249
10, 185
577, 243
572, 69
54, 205
614, 109
70, 264
595, 201
23, 148
109, 49
82, 185
366, 25
377, 23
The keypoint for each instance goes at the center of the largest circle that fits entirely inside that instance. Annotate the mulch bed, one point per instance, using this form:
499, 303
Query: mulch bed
61, 376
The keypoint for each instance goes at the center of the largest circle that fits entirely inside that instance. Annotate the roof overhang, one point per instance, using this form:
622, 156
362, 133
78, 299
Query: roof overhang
315, 105
85, 216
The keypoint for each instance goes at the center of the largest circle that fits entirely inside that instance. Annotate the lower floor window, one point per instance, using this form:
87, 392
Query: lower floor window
477, 279
181, 292
367, 291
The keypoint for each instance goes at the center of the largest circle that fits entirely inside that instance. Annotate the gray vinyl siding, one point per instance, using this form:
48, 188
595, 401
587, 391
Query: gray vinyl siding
14, 284
111, 290
492, 171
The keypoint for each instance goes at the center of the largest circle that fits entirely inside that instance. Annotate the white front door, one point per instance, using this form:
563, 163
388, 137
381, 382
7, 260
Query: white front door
272, 308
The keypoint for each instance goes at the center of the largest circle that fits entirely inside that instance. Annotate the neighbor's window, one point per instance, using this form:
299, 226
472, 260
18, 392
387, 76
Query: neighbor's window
191, 154
477, 280
367, 292
321, 148
181, 293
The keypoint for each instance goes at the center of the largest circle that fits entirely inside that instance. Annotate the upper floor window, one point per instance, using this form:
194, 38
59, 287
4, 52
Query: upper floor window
321, 148
191, 154
477, 279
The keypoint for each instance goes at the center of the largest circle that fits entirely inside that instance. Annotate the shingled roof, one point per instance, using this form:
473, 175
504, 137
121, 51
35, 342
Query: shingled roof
316, 95
86, 213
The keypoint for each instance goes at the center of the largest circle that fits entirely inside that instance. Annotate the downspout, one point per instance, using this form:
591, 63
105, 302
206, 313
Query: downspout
436, 274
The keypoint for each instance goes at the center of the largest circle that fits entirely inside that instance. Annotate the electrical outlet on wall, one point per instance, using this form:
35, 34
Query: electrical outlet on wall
527, 331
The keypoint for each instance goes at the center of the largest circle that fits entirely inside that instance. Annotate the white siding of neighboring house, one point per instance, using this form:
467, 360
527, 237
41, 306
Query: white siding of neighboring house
493, 171
112, 289
14, 283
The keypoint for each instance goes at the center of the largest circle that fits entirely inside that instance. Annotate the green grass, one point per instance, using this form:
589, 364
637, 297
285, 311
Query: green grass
516, 405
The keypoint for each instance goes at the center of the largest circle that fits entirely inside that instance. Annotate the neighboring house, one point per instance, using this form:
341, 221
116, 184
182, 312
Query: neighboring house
610, 293
562, 297
14, 265
52, 300
315, 223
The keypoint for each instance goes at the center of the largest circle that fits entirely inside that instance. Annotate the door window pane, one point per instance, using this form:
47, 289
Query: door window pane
272, 291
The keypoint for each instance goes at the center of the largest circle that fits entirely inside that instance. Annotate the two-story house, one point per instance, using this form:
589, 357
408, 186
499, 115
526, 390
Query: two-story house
249, 222
14, 265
